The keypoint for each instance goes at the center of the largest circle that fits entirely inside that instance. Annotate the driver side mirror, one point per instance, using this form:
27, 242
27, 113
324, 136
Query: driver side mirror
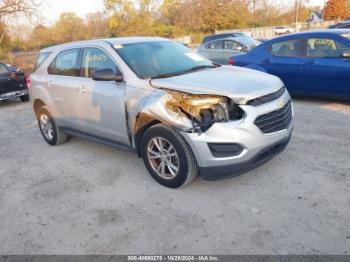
107, 74
346, 55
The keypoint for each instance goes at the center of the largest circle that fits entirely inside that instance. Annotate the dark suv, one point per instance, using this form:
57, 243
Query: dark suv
13, 83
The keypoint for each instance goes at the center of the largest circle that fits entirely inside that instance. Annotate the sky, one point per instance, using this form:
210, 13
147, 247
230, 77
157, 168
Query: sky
82, 7
53, 8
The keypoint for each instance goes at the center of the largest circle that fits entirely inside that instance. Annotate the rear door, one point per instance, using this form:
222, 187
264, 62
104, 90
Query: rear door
63, 85
324, 70
101, 104
284, 60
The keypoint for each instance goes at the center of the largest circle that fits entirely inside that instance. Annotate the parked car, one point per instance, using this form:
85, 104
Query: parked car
211, 38
310, 64
13, 83
180, 112
219, 51
283, 30
344, 25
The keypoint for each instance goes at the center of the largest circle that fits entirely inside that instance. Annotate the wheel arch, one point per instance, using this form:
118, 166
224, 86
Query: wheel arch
142, 123
37, 104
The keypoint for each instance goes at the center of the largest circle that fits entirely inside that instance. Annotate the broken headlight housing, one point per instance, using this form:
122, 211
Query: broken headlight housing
204, 110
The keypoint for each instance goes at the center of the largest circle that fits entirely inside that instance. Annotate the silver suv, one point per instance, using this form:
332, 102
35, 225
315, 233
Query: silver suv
180, 112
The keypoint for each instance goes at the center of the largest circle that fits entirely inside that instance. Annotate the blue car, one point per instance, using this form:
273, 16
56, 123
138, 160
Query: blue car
310, 64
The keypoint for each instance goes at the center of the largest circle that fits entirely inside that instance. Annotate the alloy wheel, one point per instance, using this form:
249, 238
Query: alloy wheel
46, 126
163, 158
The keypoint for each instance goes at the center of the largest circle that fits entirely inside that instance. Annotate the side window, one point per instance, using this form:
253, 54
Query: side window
215, 45
291, 48
66, 63
231, 45
94, 58
41, 59
3, 69
326, 48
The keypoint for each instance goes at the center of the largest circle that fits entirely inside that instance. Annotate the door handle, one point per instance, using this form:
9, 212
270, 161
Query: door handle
268, 60
310, 62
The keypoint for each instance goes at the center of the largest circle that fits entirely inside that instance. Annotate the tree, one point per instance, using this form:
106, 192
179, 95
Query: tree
336, 9
97, 25
211, 15
13, 9
42, 37
16, 8
126, 19
4, 40
68, 28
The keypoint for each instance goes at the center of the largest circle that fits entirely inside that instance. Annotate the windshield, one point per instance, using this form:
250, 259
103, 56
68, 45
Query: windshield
247, 41
154, 59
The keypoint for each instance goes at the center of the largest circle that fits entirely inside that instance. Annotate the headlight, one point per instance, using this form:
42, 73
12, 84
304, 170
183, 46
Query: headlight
203, 109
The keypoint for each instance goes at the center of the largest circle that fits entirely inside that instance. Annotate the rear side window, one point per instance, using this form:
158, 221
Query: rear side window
66, 63
41, 59
3, 69
290, 48
325, 48
94, 58
215, 45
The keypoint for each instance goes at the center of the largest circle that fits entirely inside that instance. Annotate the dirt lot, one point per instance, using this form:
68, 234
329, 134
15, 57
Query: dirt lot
83, 198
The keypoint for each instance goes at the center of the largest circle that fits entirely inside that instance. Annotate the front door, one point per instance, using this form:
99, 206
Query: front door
101, 106
232, 48
284, 60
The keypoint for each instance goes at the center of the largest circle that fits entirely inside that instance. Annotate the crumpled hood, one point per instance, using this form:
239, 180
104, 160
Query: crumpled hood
239, 84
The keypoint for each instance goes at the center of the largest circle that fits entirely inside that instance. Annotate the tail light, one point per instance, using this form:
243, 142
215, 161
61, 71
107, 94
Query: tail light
27, 79
231, 61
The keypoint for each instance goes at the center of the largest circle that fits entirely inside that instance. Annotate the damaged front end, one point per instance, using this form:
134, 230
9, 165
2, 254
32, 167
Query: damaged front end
203, 110
192, 113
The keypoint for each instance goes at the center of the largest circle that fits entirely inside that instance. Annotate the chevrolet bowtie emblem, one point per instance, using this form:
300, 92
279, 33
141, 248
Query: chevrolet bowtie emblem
281, 104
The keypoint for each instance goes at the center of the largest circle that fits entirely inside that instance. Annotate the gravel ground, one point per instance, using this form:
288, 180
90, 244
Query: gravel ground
84, 198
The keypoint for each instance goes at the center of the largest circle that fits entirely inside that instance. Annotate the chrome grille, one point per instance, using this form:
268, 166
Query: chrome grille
275, 121
267, 98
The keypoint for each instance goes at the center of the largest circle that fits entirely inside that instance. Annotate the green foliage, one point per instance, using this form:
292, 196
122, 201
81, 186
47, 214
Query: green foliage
165, 18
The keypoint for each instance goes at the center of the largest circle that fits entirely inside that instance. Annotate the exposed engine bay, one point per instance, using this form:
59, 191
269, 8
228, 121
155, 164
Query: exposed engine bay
203, 110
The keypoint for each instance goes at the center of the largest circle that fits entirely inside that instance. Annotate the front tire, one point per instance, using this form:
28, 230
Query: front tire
167, 157
25, 98
52, 134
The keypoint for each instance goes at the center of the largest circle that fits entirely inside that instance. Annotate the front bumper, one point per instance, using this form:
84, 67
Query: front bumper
258, 147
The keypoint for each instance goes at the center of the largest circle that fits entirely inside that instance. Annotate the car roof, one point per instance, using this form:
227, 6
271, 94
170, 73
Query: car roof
328, 32
320, 33
111, 41
234, 38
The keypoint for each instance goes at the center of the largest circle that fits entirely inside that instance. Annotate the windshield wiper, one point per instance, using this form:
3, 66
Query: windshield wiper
166, 75
192, 69
196, 68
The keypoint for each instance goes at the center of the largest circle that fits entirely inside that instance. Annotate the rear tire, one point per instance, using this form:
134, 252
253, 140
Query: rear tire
167, 157
25, 98
52, 134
